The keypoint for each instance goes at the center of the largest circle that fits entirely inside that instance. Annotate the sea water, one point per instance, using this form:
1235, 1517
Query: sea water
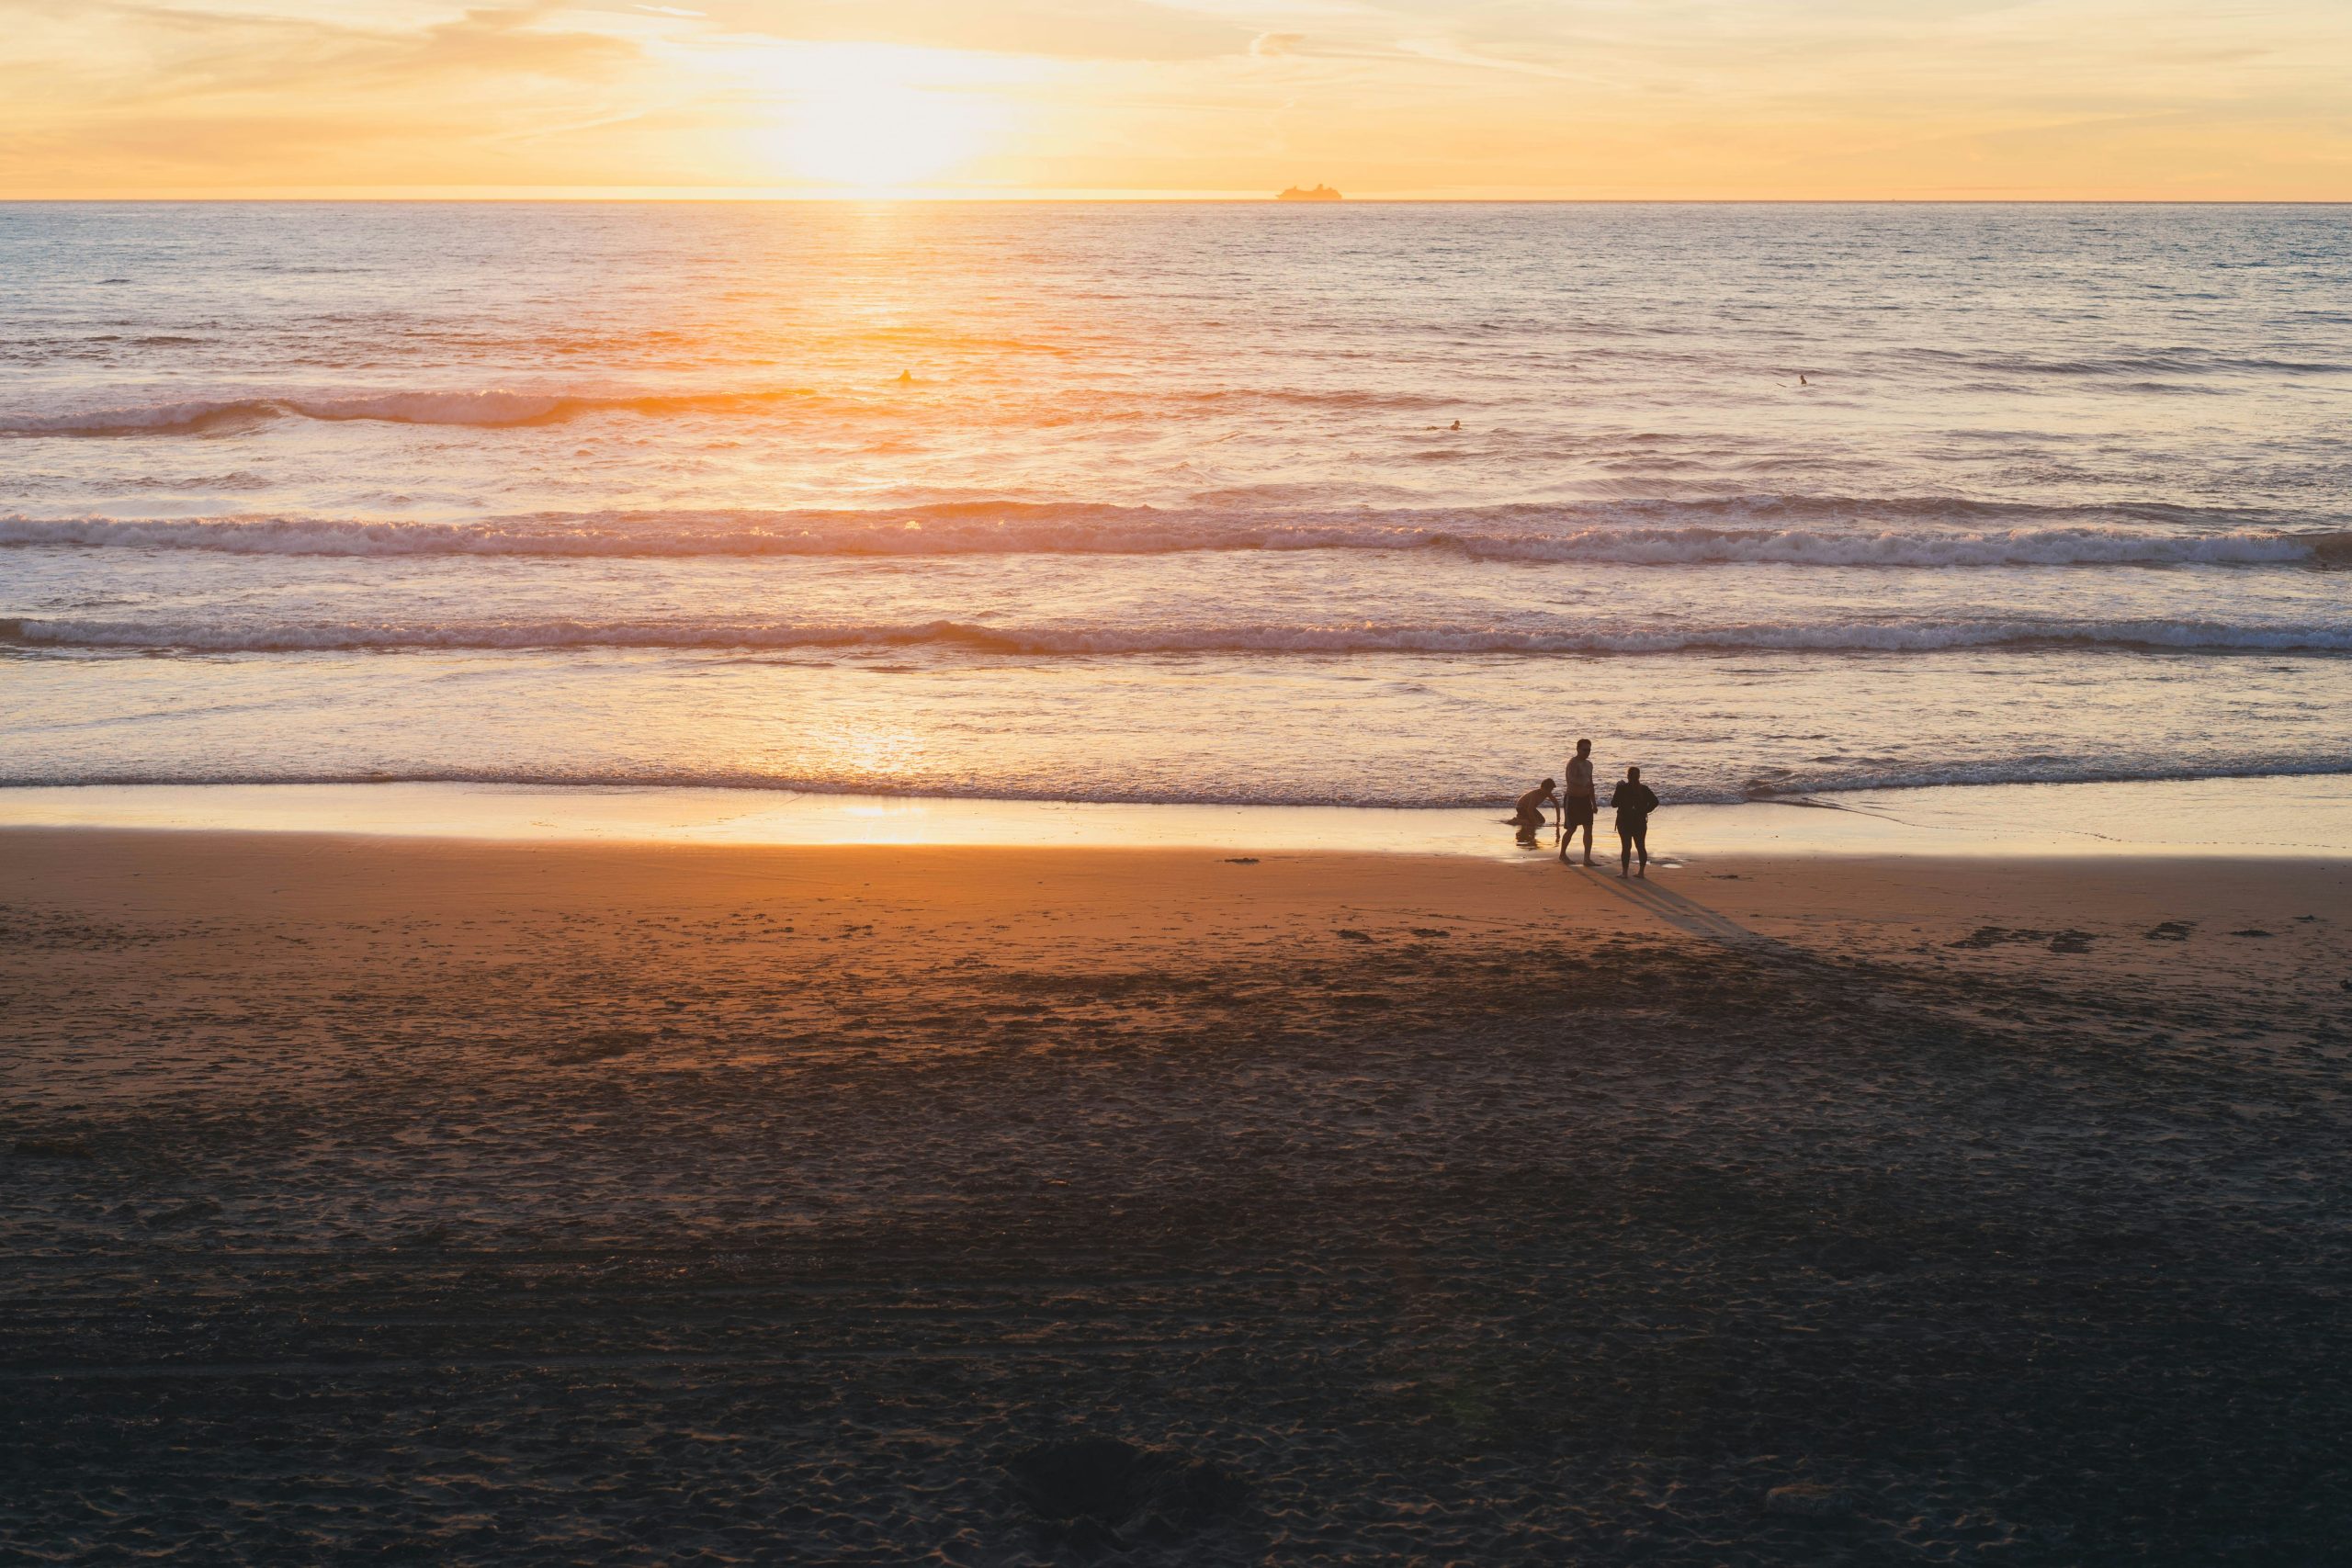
1369, 505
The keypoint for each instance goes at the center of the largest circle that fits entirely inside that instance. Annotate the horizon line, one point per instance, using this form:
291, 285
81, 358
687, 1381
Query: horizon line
690, 197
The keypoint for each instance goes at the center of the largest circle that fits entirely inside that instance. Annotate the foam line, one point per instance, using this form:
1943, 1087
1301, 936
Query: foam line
1632, 536
1884, 637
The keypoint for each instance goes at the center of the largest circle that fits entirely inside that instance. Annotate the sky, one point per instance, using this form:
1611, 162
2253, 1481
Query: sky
1473, 99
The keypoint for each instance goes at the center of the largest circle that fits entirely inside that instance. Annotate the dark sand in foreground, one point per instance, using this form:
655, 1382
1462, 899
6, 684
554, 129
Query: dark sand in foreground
478, 1203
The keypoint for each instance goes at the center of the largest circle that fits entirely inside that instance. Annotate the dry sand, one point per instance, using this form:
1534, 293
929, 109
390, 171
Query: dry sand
480, 1203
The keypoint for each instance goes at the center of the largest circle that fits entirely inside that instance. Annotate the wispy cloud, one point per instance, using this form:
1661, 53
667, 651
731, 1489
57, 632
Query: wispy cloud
1599, 97
177, 94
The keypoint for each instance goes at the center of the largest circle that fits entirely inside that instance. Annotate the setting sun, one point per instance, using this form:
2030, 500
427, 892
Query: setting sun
877, 118
879, 137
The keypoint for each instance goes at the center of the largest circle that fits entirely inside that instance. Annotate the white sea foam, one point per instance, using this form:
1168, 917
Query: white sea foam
500, 408
1623, 535
491, 408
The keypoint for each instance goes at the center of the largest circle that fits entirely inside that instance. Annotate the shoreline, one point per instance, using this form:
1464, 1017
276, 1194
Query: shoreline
2280, 817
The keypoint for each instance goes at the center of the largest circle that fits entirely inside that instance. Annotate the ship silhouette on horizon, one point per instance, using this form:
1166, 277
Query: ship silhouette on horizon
1320, 193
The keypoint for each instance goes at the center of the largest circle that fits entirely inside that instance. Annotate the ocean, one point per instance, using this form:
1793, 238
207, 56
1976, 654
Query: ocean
1238, 504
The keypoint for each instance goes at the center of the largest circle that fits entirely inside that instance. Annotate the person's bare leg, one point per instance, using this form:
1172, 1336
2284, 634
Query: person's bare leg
1588, 845
1624, 853
1642, 844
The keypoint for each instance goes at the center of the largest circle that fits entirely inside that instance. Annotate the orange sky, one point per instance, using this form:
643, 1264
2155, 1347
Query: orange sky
2143, 99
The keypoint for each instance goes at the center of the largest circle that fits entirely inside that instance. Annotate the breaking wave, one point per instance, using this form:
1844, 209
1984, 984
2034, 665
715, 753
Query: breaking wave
494, 409
1886, 636
1659, 534
501, 408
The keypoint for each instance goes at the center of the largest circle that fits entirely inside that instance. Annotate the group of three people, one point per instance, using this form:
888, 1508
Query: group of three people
1579, 802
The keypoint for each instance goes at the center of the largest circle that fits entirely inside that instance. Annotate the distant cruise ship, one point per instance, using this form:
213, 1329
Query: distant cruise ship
1320, 193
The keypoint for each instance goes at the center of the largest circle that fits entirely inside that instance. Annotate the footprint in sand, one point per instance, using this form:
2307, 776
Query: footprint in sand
2068, 940
1995, 936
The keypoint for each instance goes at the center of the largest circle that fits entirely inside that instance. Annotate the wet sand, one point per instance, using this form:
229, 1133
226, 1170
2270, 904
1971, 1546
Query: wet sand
515, 1202
2284, 818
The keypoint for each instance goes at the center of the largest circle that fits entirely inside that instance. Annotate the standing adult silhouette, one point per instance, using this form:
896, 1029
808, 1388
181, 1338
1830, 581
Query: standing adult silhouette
1635, 801
1579, 801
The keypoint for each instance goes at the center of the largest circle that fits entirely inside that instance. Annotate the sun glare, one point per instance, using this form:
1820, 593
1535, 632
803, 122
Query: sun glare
880, 138
878, 119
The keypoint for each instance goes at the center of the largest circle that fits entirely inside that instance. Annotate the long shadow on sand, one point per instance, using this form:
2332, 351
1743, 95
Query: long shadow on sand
1689, 917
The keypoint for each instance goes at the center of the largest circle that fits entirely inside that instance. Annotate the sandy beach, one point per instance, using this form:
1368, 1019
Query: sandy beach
497, 1202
